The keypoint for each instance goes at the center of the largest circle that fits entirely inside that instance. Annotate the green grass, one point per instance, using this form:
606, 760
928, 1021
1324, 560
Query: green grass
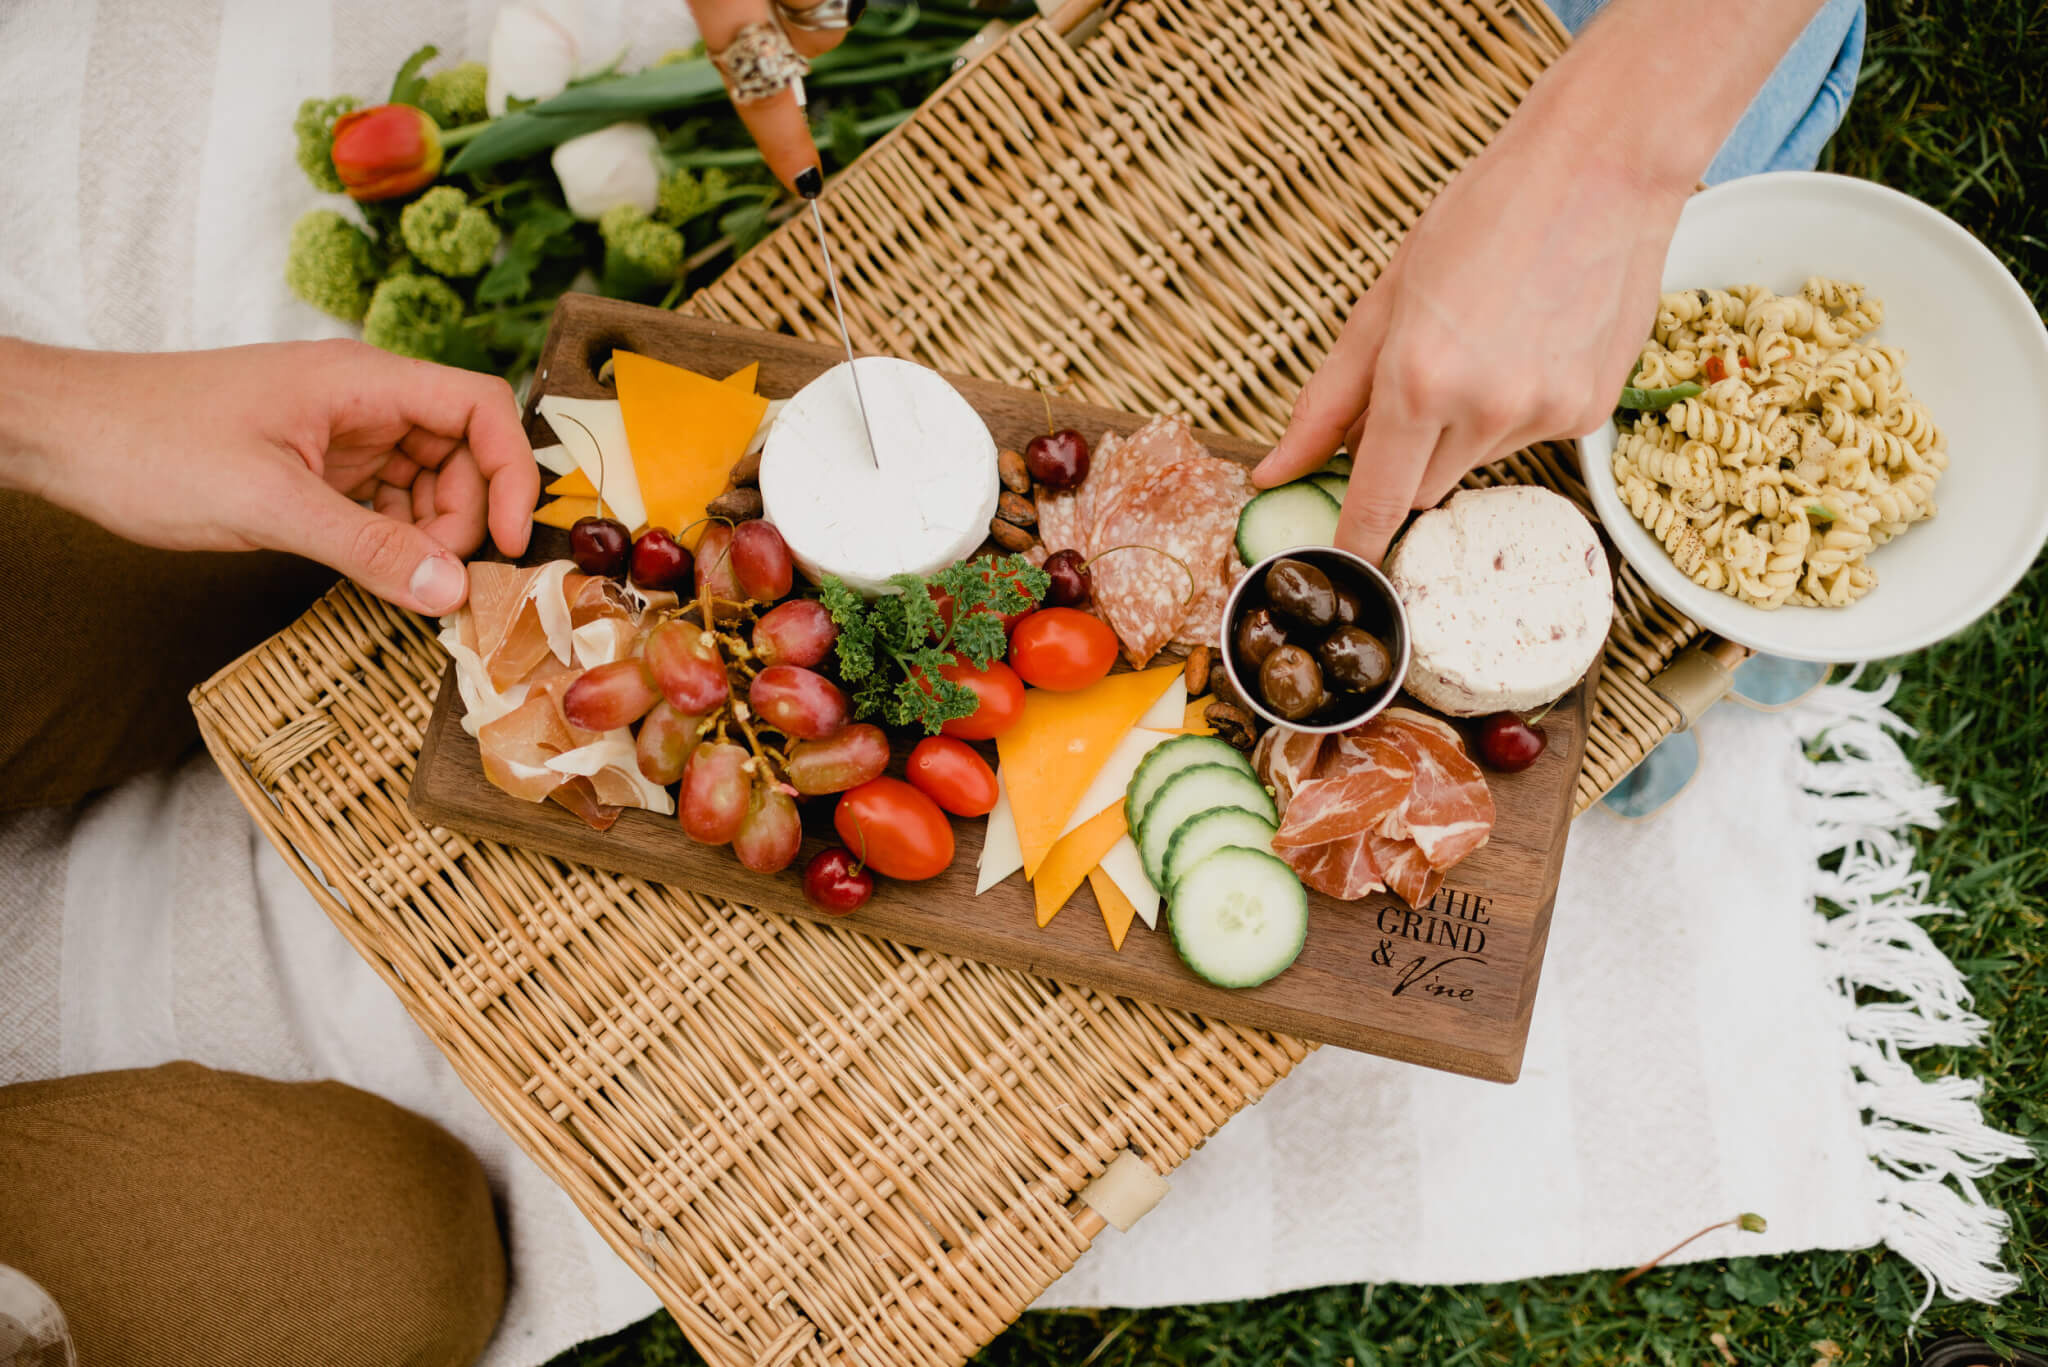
1953, 109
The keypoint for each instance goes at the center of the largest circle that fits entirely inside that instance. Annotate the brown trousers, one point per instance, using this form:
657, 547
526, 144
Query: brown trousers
182, 1215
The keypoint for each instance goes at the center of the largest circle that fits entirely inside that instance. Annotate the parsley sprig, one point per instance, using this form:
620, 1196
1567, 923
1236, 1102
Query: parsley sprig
892, 649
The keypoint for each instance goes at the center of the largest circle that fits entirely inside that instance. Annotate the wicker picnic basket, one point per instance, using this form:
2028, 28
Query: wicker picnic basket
819, 1147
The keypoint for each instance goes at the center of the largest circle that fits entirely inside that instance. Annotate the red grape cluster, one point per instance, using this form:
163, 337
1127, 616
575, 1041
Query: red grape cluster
725, 687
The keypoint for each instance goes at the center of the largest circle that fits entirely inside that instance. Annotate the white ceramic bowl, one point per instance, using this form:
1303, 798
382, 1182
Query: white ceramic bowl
1976, 355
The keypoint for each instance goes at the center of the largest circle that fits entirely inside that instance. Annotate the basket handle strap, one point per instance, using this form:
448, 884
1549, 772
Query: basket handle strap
1699, 677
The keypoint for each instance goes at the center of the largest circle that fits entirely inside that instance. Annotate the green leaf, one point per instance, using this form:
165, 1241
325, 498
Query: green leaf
535, 230
842, 134
745, 225
405, 86
523, 135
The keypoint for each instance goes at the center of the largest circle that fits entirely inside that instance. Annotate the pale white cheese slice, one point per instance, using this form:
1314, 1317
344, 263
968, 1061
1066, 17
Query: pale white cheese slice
481, 703
919, 500
1002, 854
555, 459
1508, 598
760, 437
594, 431
1127, 870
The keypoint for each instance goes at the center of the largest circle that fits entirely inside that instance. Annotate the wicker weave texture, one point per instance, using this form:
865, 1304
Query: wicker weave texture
822, 1148
1178, 214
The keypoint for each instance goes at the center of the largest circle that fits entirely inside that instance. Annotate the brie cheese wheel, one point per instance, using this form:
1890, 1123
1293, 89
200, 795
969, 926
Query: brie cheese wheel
920, 501
1508, 597
594, 431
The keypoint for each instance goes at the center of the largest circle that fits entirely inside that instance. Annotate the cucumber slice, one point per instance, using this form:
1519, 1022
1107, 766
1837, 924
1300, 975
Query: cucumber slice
1191, 791
1333, 485
1242, 917
1168, 759
1204, 833
1336, 465
1297, 514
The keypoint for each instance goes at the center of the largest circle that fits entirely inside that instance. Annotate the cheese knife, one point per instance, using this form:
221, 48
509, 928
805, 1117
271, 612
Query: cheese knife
845, 337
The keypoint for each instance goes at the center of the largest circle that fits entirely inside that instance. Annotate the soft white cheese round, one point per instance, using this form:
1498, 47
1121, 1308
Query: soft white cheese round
1508, 597
921, 502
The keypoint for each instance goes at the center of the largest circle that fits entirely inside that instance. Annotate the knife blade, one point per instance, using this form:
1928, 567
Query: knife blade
845, 337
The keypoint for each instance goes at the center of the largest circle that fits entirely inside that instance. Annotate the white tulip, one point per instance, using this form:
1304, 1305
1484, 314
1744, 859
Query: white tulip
616, 165
534, 53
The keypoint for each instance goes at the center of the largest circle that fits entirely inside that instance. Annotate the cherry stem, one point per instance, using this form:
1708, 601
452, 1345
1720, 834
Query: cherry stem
598, 447
1042, 382
1193, 584
1540, 713
1745, 1220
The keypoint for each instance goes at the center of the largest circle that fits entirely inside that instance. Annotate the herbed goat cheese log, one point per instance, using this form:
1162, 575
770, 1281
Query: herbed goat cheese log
1508, 596
921, 501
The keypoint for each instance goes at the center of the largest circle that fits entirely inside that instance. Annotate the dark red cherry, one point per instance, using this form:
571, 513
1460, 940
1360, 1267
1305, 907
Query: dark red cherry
1510, 744
1071, 583
1058, 460
599, 545
661, 562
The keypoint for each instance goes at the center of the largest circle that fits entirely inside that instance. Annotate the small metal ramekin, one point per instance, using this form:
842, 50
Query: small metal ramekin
1359, 570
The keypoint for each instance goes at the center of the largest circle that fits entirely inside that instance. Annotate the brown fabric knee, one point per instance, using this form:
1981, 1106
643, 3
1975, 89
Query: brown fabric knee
101, 639
184, 1215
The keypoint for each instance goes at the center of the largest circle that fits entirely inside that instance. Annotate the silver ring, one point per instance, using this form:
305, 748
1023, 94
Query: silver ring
759, 63
827, 16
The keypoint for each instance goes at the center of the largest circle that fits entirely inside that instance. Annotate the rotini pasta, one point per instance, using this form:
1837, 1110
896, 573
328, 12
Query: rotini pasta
1802, 451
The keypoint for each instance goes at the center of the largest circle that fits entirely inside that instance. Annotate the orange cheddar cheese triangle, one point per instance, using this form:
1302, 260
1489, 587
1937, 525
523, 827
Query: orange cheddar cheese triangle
1059, 743
575, 484
1117, 911
1070, 858
564, 512
685, 432
743, 379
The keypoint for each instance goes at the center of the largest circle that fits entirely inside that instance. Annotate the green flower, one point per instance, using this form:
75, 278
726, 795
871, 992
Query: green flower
409, 313
447, 233
683, 196
331, 264
455, 96
639, 253
314, 128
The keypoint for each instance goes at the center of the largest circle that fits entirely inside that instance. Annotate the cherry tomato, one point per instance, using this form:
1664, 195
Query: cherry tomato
950, 773
1062, 649
894, 829
1002, 700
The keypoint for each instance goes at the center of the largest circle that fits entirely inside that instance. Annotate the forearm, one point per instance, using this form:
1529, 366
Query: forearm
1655, 86
28, 405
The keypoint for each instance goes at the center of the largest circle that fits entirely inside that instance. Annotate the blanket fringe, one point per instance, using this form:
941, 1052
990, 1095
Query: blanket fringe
1927, 1136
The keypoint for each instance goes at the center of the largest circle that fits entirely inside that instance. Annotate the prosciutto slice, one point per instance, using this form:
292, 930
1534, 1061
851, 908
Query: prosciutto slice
1450, 812
1355, 798
524, 637
1391, 803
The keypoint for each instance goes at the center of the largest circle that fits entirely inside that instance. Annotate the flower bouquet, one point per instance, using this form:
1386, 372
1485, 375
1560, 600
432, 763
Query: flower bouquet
480, 191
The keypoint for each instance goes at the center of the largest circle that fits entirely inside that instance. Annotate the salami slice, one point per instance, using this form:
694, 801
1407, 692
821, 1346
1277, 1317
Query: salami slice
1203, 626
1120, 467
1188, 510
1059, 522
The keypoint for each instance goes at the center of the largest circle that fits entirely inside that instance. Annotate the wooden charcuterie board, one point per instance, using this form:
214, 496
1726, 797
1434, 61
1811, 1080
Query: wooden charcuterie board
1451, 986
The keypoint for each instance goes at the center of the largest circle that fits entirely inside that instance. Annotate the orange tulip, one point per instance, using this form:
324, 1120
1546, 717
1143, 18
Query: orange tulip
386, 151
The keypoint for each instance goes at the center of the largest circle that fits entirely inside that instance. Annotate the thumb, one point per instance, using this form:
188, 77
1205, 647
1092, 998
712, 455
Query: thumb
391, 558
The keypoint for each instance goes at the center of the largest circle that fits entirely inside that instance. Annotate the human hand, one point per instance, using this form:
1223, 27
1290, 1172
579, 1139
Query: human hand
1508, 315
278, 447
777, 121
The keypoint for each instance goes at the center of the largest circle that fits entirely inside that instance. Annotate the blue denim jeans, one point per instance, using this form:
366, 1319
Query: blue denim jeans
1796, 112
